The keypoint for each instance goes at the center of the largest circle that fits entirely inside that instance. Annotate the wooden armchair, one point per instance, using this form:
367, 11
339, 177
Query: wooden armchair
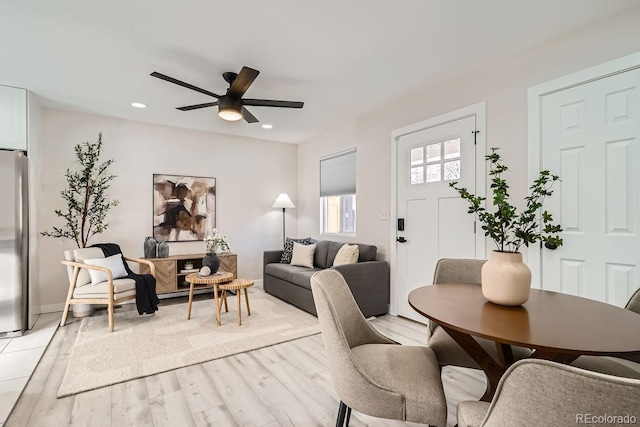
81, 289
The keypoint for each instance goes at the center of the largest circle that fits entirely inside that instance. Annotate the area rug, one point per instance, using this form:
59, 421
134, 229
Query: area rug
147, 345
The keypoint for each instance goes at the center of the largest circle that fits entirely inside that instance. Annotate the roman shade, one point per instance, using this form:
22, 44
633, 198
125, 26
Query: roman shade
338, 174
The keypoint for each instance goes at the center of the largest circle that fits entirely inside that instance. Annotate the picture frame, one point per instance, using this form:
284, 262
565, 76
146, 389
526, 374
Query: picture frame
184, 207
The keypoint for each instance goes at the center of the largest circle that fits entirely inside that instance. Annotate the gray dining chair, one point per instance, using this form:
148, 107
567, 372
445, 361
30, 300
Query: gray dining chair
537, 392
371, 373
623, 366
448, 352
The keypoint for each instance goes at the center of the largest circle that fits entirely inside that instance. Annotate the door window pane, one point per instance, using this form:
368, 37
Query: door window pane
417, 156
417, 175
433, 153
433, 173
452, 149
452, 170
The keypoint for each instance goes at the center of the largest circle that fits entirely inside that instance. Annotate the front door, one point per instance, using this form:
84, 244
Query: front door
432, 220
589, 137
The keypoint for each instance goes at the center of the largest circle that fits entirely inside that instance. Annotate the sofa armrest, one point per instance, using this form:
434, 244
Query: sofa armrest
369, 284
271, 257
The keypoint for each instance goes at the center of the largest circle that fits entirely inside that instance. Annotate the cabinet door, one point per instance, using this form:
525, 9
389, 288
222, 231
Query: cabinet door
229, 263
165, 275
13, 116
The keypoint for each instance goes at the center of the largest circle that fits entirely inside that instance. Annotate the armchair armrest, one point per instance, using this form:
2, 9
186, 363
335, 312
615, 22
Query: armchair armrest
76, 270
152, 266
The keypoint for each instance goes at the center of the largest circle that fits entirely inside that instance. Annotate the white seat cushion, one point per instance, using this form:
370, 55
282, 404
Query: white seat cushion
121, 288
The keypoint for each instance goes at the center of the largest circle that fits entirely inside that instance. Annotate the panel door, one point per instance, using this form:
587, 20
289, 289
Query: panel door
436, 222
590, 138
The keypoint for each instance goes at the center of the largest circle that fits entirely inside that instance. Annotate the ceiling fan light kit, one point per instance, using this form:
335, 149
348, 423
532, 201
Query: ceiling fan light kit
231, 106
229, 109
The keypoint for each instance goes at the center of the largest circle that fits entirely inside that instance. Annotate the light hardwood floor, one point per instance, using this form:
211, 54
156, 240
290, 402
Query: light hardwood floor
284, 385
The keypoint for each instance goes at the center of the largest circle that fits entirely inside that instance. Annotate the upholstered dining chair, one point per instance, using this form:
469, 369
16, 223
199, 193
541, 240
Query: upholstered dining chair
371, 373
448, 352
537, 392
622, 366
85, 289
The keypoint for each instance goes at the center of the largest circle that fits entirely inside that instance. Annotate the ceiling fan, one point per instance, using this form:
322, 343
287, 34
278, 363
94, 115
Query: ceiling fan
231, 106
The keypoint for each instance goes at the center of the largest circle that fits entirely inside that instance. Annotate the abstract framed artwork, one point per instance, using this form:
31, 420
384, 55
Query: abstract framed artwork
184, 207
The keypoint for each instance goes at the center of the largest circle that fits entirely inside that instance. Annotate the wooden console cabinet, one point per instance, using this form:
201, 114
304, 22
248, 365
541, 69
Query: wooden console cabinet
171, 271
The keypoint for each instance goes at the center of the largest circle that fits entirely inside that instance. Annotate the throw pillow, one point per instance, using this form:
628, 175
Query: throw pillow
113, 263
288, 248
348, 254
303, 255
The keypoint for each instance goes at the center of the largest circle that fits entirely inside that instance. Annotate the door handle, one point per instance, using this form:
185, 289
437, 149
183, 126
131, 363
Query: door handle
401, 239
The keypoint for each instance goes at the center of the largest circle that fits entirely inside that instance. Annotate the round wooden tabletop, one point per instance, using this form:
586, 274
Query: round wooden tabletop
212, 279
547, 321
237, 284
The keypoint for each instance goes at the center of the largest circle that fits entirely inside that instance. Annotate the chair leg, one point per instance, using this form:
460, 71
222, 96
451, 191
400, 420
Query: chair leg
65, 313
110, 310
342, 412
348, 417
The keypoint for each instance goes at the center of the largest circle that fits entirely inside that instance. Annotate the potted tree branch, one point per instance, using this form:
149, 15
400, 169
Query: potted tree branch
85, 195
506, 280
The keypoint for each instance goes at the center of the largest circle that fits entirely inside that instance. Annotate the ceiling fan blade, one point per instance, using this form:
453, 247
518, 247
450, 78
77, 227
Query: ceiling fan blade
272, 103
249, 118
242, 82
183, 84
196, 106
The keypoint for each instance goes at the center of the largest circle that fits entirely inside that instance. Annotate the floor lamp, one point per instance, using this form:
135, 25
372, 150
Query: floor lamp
283, 201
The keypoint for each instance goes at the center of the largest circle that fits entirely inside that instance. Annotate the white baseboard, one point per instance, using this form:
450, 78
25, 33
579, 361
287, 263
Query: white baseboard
51, 308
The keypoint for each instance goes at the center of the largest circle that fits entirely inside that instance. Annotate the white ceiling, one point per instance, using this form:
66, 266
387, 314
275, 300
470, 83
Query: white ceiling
343, 58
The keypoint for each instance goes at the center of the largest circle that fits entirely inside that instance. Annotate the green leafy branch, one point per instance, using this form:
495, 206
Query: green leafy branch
505, 226
85, 195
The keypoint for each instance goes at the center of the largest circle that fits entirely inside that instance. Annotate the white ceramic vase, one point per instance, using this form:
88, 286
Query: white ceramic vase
506, 280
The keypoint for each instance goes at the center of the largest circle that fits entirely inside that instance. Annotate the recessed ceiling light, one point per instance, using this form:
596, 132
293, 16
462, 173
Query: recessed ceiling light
267, 126
138, 105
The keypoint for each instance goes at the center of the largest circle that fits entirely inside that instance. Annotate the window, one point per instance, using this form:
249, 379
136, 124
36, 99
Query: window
435, 162
338, 193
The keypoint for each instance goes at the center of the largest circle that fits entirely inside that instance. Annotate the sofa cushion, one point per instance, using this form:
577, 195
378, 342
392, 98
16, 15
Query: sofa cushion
303, 255
288, 248
320, 255
367, 252
285, 271
115, 263
303, 278
348, 254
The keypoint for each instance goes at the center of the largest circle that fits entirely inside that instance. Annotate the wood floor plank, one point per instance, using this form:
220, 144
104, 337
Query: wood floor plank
92, 409
215, 417
130, 404
283, 405
163, 383
241, 400
198, 389
171, 410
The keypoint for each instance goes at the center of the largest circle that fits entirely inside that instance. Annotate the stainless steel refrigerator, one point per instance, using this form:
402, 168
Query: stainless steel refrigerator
14, 243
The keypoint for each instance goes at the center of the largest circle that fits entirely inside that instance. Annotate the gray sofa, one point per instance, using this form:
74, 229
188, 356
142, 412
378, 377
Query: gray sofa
368, 279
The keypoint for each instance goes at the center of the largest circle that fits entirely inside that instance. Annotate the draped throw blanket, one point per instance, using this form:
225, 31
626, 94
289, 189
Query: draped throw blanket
146, 296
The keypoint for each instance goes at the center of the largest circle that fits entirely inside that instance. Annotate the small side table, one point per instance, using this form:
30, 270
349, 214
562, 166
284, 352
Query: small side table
237, 285
213, 280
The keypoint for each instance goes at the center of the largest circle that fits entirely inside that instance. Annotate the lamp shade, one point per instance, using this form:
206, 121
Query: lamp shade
283, 201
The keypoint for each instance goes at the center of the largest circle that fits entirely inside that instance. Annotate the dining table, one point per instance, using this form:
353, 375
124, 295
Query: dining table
555, 326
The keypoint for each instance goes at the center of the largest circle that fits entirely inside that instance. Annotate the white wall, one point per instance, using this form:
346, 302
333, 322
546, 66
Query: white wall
502, 85
250, 173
